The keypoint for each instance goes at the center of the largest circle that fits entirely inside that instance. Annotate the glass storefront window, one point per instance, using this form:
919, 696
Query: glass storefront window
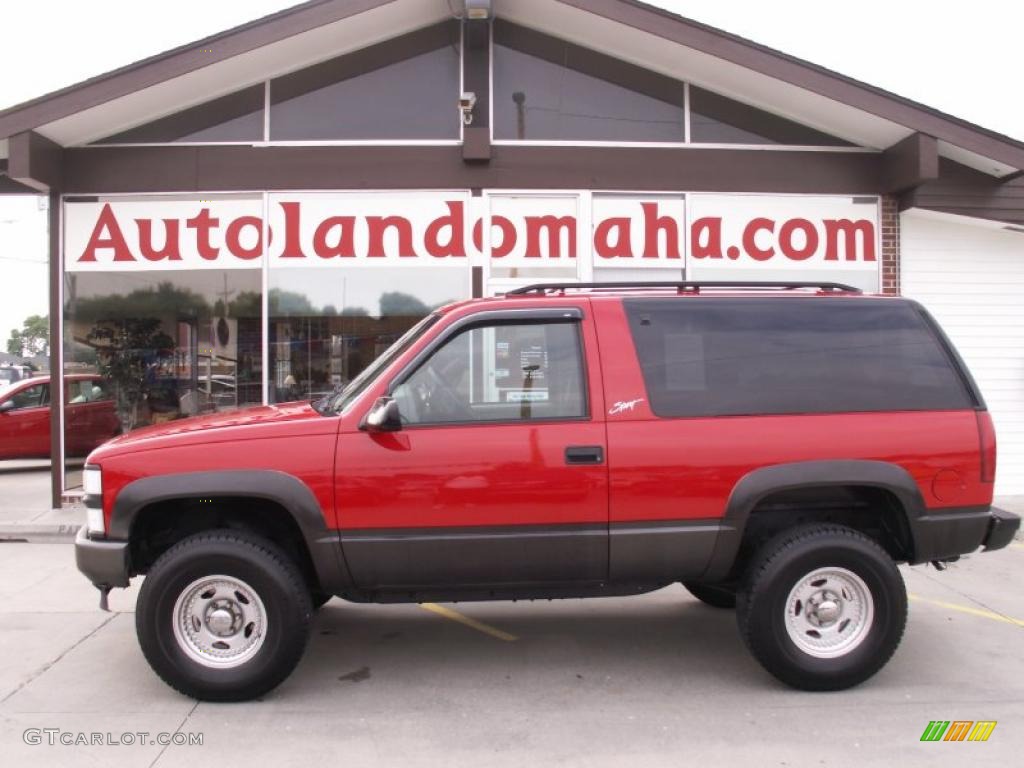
327, 325
156, 347
715, 119
236, 117
406, 88
536, 99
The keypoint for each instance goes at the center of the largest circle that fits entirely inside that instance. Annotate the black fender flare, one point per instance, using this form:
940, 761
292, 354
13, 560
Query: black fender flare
759, 483
284, 489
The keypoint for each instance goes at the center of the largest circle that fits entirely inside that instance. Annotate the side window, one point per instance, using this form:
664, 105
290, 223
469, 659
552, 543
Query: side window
86, 392
33, 397
503, 372
732, 357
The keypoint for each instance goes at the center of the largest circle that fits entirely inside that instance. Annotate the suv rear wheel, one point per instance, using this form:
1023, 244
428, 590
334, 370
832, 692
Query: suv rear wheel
823, 607
223, 616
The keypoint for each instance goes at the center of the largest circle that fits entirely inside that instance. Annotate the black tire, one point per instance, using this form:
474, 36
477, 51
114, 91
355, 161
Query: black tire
715, 595
257, 563
783, 563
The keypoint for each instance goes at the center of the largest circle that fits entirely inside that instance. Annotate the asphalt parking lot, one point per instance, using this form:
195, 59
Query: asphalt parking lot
645, 681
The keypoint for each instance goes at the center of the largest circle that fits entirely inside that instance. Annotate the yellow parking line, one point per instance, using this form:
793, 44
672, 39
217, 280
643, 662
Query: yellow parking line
454, 615
1017, 546
968, 610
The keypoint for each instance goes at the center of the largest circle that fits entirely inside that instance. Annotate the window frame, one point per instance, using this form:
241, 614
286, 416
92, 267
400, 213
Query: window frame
561, 316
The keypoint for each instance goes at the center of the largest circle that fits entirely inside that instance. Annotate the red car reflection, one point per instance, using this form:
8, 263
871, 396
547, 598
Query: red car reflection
90, 414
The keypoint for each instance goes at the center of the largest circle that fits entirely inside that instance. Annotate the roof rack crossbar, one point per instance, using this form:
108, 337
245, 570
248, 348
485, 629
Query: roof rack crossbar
691, 285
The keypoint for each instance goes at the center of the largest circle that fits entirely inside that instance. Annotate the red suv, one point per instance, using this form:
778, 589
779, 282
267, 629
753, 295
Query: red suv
89, 412
776, 448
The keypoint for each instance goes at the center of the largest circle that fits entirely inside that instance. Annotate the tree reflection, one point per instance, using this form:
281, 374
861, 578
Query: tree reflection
129, 352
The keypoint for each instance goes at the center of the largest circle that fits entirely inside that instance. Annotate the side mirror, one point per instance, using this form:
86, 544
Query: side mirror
6, 405
383, 416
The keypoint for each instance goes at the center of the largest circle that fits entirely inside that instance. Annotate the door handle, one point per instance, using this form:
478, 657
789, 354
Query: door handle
584, 454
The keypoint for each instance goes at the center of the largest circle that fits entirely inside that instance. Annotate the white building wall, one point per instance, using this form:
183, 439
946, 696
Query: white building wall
970, 276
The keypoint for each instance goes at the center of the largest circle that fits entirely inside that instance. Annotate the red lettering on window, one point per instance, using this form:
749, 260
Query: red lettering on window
233, 237
508, 236
849, 230
454, 221
555, 226
653, 225
107, 234
170, 251
202, 223
379, 226
706, 238
750, 238
292, 231
621, 247
344, 242
786, 233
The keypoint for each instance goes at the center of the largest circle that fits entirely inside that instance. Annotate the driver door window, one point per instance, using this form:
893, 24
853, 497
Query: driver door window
499, 373
32, 397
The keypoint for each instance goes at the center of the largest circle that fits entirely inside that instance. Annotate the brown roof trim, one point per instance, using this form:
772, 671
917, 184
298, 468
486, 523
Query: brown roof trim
811, 77
179, 61
966, 192
715, 42
182, 169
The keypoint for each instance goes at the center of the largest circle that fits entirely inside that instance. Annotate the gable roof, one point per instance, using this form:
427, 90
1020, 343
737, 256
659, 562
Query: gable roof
642, 34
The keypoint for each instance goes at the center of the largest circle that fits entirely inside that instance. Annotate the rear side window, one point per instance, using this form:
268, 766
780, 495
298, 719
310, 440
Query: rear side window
728, 357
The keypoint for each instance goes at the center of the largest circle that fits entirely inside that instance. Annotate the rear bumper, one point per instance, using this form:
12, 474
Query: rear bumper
1002, 527
104, 563
946, 534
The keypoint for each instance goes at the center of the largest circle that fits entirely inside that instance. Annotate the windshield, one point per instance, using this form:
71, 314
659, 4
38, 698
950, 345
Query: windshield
336, 403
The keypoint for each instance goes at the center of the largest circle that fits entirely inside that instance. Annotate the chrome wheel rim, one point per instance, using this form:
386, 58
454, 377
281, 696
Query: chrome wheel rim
829, 612
219, 621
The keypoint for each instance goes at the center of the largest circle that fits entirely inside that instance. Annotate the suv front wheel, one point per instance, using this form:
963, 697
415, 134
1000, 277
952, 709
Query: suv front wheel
223, 616
823, 607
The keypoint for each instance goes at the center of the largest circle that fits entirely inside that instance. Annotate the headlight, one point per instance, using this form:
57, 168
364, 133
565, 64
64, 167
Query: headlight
92, 484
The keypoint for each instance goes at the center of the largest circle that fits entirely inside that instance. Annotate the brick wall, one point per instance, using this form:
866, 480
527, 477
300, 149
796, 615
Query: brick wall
890, 246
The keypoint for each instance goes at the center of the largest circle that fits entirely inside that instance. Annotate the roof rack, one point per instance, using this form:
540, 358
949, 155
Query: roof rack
691, 285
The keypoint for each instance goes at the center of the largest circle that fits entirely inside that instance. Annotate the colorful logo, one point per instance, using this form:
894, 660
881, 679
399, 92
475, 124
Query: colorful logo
958, 730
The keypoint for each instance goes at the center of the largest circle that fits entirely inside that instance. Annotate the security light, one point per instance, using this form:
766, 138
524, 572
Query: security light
466, 103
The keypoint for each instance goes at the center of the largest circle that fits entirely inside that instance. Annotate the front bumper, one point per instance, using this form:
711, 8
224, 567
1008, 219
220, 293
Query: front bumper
105, 563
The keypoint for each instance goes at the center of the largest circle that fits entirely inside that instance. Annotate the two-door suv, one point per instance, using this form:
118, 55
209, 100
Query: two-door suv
777, 448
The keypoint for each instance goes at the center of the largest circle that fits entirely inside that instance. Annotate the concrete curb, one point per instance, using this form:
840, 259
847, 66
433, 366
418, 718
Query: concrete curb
39, 533
21, 470
41, 526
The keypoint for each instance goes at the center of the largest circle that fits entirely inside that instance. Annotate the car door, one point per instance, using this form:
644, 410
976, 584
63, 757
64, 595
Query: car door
497, 476
89, 414
25, 422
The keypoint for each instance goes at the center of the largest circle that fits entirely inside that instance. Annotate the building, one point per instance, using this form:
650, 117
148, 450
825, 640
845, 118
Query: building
255, 217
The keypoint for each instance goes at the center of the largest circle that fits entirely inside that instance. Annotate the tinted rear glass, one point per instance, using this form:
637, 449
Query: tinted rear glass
722, 357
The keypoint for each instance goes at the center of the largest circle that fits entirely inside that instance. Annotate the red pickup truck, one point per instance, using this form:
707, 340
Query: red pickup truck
777, 448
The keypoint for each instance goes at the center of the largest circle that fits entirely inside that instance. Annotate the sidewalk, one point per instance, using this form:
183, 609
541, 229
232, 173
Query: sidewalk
25, 511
